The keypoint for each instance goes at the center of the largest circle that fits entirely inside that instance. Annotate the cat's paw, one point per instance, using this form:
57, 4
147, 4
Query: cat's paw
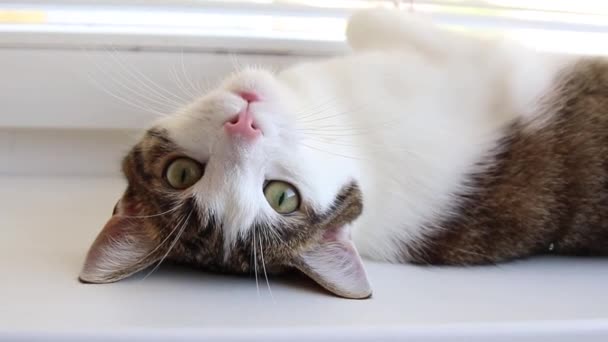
383, 29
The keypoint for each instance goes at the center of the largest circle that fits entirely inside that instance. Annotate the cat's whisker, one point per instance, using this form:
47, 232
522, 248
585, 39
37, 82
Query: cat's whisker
251, 257
332, 135
128, 102
338, 127
133, 103
236, 64
329, 137
136, 99
197, 91
334, 115
332, 112
274, 69
178, 82
370, 147
148, 83
313, 109
255, 263
332, 153
155, 215
276, 235
180, 222
375, 125
123, 81
334, 129
344, 133
264, 268
177, 236
205, 86
337, 131
322, 114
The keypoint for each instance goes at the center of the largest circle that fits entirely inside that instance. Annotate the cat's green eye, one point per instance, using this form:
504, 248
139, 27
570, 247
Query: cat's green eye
183, 173
282, 197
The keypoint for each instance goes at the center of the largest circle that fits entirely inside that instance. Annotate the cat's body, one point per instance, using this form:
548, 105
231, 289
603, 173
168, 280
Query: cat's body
425, 146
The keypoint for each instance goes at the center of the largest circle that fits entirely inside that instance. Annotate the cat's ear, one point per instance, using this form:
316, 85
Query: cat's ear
335, 264
125, 246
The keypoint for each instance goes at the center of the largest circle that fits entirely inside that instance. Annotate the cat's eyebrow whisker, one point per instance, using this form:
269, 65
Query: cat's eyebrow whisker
177, 236
264, 268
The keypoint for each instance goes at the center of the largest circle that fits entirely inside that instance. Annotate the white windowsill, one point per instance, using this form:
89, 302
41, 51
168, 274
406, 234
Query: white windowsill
48, 224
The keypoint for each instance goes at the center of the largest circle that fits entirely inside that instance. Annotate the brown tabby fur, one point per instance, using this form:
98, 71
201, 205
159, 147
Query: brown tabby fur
546, 192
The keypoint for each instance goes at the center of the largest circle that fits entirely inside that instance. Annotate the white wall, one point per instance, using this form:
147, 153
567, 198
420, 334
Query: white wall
76, 112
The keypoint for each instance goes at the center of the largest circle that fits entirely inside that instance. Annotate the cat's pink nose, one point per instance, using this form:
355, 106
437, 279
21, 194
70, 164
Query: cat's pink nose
242, 125
249, 96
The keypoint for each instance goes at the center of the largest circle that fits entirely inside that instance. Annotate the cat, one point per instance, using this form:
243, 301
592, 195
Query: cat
423, 145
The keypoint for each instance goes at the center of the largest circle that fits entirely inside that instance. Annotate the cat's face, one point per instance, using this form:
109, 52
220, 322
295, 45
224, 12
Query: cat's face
228, 184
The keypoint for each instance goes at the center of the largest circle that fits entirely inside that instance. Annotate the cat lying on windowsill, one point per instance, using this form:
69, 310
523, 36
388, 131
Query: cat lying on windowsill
422, 146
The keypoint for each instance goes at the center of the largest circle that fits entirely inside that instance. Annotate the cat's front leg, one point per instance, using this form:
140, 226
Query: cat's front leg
387, 29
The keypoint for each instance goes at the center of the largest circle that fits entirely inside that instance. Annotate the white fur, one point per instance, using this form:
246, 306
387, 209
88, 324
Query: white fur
407, 116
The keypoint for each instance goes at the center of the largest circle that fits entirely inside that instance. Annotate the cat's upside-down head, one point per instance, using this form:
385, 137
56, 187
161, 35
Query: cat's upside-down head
459, 152
227, 185
267, 172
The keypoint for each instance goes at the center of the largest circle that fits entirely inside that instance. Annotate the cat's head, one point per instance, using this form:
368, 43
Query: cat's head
229, 184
